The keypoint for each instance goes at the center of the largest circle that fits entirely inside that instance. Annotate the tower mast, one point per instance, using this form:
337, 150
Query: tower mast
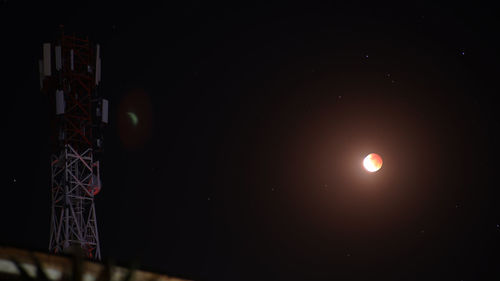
70, 74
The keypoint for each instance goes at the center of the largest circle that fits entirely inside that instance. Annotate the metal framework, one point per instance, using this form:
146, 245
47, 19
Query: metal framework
70, 78
74, 184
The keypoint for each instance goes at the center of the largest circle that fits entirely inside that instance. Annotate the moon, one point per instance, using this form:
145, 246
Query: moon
372, 162
133, 118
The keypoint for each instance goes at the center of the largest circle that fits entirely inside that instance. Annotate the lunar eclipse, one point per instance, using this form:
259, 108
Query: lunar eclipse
372, 162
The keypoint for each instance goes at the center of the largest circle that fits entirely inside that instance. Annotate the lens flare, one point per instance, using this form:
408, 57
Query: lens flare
133, 118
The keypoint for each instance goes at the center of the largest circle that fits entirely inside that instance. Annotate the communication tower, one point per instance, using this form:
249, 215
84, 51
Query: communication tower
70, 75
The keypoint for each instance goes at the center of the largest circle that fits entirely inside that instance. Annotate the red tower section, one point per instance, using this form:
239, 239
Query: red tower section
78, 83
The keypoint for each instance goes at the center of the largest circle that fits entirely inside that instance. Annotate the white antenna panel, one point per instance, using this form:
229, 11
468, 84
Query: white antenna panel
58, 58
98, 65
98, 71
72, 60
46, 59
60, 104
105, 111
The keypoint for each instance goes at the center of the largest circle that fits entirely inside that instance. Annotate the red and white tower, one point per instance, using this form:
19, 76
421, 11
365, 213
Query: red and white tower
70, 74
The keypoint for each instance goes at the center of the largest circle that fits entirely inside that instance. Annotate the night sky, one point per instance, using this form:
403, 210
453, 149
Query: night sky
252, 123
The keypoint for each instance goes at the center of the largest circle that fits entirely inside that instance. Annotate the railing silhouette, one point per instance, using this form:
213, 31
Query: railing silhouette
22, 265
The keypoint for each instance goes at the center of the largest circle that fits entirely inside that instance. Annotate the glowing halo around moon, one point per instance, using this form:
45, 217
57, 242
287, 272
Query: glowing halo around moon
372, 162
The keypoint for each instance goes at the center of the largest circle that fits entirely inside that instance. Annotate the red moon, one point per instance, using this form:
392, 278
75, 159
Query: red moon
372, 162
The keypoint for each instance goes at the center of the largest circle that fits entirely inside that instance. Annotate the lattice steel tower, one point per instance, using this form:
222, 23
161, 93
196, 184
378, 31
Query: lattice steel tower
70, 72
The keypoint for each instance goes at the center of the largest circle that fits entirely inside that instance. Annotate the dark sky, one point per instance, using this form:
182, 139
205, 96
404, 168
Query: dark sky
253, 121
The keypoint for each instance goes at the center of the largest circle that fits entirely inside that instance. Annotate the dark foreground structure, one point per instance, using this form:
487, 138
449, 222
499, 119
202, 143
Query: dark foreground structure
17, 264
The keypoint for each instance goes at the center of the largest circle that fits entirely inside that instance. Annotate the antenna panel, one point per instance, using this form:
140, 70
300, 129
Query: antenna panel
58, 58
60, 104
104, 111
98, 71
72, 59
98, 65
